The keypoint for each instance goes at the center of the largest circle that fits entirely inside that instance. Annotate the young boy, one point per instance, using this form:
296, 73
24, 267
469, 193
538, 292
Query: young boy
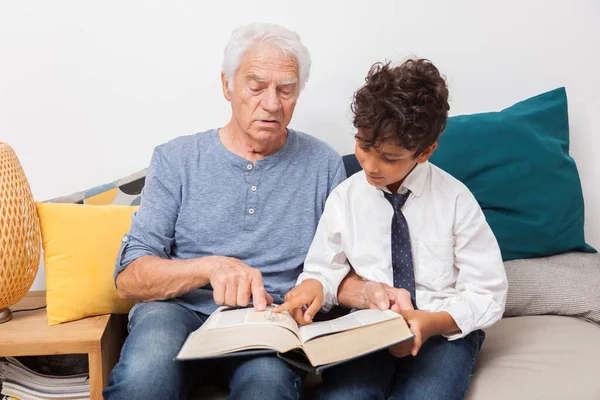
416, 239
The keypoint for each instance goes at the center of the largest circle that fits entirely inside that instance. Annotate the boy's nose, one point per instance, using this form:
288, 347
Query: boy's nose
370, 166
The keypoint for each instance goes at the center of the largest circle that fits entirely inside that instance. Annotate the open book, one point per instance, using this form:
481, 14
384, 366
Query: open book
314, 347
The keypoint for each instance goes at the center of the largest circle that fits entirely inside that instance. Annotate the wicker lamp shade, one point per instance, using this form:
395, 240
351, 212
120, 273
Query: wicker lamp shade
19, 232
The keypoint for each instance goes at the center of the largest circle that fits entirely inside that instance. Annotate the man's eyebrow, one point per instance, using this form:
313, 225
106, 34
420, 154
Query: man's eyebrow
290, 81
254, 77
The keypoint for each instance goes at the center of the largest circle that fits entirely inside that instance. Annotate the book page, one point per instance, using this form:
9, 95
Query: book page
351, 321
359, 341
227, 317
220, 342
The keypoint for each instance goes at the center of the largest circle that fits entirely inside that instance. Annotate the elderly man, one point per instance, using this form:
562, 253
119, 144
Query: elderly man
226, 217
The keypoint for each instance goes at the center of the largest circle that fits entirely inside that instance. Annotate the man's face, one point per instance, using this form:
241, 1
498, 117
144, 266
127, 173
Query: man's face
388, 163
265, 92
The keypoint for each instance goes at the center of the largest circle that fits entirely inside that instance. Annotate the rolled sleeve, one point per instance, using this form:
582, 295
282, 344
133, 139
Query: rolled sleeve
152, 229
481, 284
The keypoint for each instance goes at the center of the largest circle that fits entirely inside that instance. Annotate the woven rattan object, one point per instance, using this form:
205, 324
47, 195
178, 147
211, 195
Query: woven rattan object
19, 232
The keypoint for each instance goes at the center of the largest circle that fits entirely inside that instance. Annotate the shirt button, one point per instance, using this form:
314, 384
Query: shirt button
251, 211
125, 238
249, 167
253, 188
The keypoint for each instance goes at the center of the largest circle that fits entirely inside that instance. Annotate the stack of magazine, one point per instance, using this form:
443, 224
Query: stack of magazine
45, 377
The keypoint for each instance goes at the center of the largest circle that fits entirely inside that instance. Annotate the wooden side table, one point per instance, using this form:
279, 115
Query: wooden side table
101, 338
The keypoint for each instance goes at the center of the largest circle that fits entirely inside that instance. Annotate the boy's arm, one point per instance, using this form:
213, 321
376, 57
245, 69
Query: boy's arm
481, 283
325, 263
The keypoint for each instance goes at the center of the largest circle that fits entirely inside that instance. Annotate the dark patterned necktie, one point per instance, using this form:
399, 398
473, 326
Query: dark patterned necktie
402, 261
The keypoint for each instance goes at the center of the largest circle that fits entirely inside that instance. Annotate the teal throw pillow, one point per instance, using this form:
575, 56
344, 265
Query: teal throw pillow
517, 164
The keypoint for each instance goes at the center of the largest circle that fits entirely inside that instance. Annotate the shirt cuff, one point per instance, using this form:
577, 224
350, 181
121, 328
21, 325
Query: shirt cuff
119, 266
129, 251
460, 311
329, 295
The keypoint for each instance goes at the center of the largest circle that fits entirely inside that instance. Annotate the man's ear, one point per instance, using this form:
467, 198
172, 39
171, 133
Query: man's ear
226, 89
427, 153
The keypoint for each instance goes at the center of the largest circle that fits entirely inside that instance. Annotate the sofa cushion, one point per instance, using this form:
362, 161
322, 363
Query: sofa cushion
535, 357
517, 164
538, 357
80, 248
565, 284
125, 191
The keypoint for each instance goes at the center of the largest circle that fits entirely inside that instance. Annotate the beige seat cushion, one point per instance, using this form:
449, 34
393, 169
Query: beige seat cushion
538, 357
529, 358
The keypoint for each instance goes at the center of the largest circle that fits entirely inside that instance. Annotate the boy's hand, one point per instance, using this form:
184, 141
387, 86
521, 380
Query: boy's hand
424, 324
310, 294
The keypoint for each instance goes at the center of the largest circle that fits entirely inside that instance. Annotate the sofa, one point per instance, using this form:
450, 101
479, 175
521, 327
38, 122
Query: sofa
546, 346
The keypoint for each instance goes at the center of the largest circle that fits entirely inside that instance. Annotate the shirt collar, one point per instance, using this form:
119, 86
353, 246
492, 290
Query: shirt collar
414, 181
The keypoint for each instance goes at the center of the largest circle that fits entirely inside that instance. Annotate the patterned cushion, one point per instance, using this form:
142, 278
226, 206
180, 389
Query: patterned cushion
125, 192
565, 284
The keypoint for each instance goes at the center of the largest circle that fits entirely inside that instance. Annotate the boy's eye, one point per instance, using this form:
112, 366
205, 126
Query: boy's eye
390, 160
361, 143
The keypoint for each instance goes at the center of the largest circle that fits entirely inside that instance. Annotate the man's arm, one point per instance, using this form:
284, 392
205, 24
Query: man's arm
355, 292
144, 269
352, 293
152, 278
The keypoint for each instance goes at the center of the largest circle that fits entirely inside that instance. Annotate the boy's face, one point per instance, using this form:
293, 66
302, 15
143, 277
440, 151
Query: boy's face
388, 163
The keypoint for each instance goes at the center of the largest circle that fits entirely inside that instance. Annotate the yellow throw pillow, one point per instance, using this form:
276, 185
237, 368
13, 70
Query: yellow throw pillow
81, 243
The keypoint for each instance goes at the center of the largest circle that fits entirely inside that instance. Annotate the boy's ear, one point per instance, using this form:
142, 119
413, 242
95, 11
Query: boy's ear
427, 153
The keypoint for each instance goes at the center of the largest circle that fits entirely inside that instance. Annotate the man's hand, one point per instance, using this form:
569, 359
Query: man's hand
355, 292
382, 296
309, 293
234, 282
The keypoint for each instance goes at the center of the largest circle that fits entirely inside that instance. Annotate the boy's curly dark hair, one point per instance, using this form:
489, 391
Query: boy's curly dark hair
406, 103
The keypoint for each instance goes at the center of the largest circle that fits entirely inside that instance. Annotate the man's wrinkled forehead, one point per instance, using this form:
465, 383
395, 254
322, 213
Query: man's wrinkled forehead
262, 60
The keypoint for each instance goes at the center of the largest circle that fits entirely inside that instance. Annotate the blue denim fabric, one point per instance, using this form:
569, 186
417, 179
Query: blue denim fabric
147, 369
441, 371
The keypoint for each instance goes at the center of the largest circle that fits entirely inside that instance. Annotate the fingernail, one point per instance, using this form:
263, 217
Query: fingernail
382, 305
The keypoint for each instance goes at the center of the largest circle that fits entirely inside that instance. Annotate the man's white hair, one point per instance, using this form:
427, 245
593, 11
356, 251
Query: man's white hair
245, 37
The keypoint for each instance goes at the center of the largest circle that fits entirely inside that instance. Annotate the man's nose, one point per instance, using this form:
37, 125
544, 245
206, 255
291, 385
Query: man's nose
270, 101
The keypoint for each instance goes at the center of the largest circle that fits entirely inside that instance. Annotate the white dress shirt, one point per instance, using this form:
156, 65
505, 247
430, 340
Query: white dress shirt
457, 262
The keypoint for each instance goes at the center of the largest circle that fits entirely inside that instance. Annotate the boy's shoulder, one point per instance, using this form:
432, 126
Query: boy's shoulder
447, 185
354, 184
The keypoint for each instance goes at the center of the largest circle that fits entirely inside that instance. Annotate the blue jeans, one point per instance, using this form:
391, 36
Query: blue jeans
442, 370
147, 369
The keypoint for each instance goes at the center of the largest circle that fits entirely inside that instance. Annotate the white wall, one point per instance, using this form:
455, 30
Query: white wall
87, 89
